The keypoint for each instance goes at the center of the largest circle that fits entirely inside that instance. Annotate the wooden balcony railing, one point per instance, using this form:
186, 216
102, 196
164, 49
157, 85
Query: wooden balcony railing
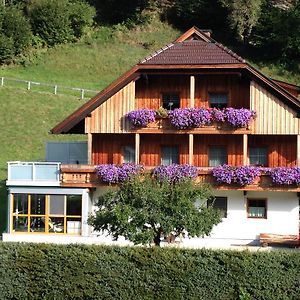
164, 126
85, 176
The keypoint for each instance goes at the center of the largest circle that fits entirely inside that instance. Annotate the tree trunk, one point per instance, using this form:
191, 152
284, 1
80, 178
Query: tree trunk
157, 238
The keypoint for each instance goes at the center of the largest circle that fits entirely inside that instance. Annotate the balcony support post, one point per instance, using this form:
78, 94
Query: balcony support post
90, 139
191, 149
245, 149
137, 148
192, 91
298, 150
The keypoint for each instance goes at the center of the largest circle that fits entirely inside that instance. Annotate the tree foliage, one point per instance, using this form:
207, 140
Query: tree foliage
144, 210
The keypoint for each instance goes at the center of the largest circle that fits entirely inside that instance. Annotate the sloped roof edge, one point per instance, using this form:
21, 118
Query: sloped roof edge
93, 103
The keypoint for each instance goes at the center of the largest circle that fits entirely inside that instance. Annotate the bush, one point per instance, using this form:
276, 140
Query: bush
41, 271
15, 32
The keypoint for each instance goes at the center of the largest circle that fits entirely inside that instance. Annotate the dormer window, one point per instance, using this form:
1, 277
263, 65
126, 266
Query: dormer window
217, 100
170, 101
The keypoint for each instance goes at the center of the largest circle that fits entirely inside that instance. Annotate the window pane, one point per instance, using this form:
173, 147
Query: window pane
38, 204
37, 224
258, 156
217, 156
218, 100
56, 224
128, 154
171, 101
74, 205
20, 224
169, 155
74, 225
56, 204
257, 208
219, 203
20, 204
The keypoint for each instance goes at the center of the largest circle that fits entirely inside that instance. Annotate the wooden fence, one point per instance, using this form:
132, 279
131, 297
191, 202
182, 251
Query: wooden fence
46, 87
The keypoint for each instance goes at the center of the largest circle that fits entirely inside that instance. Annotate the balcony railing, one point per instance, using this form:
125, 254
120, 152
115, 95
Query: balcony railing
85, 176
33, 173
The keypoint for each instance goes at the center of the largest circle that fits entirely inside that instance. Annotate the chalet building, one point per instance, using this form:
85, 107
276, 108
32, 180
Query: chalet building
51, 201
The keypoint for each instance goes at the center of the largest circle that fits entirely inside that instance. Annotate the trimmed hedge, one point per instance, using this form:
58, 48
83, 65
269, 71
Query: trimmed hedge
39, 271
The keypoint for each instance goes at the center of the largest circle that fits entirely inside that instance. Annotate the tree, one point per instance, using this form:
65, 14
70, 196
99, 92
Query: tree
144, 210
243, 16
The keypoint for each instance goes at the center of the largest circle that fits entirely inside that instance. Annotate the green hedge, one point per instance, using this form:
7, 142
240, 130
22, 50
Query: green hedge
39, 271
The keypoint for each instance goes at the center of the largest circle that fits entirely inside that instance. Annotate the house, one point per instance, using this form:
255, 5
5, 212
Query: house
51, 201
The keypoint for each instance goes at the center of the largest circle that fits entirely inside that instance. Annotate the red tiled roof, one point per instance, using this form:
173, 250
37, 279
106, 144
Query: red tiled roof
193, 52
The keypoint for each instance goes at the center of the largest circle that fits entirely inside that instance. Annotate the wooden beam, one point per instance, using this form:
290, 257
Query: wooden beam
192, 91
90, 138
245, 149
191, 149
137, 148
298, 150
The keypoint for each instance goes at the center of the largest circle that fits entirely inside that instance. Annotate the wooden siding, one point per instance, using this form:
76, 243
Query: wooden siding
233, 143
236, 87
149, 90
150, 148
282, 150
107, 148
109, 116
273, 116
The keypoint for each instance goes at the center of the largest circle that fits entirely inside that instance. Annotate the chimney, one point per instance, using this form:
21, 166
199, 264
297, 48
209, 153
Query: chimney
207, 32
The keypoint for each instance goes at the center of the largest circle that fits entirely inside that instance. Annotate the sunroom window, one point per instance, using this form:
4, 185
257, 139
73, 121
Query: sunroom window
170, 101
217, 155
217, 100
46, 213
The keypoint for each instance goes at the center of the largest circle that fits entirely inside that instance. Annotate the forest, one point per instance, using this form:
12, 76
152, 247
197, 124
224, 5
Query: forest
264, 29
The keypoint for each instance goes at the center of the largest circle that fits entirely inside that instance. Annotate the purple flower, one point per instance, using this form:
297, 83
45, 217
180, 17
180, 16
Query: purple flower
113, 174
285, 176
238, 117
141, 117
175, 173
240, 175
218, 115
185, 118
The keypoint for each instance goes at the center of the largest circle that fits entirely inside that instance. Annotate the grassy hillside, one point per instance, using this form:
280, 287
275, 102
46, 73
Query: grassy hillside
27, 116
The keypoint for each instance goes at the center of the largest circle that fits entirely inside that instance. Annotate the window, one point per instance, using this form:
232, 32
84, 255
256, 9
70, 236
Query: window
218, 100
219, 203
217, 156
46, 213
171, 101
258, 156
257, 208
169, 155
128, 154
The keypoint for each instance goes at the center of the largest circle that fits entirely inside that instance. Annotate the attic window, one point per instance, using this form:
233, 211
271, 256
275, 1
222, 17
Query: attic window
217, 100
171, 101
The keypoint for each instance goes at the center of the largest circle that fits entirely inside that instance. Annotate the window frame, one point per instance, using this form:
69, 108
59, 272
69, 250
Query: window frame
170, 95
47, 215
217, 105
265, 200
259, 147
223, 211
169, 146
209, 155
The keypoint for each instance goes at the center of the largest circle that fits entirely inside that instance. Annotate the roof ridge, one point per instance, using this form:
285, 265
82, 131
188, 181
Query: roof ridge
162, 49
230, 52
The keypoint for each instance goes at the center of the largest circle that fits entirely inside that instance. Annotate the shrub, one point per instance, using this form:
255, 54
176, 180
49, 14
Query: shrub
39, 271
50, 21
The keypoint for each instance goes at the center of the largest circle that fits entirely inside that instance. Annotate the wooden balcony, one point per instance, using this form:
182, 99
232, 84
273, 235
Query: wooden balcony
163, 125
85, 176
